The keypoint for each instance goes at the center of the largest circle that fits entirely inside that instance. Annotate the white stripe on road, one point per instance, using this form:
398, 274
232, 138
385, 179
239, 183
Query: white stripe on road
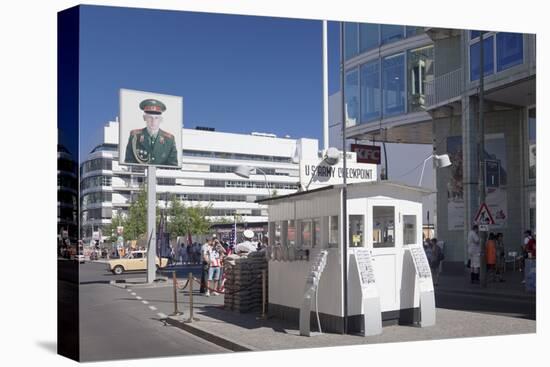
133, 293
153, 308
129, 290
161, 315
145, 302
138, 297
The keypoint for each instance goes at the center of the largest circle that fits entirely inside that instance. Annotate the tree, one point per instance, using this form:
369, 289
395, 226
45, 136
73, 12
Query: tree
197, 219
111, 230
177, 218
136, 223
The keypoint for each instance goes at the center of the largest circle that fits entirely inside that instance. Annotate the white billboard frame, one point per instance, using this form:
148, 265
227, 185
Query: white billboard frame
132, 118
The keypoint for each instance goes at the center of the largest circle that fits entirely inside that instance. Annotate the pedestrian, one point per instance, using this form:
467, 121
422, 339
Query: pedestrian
212, 257
205, 254
524, 253
435, 256
246, 246
501, 257
222, 253
474, 252
491, 256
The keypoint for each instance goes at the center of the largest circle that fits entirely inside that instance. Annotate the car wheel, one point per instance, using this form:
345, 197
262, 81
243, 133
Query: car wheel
118, 270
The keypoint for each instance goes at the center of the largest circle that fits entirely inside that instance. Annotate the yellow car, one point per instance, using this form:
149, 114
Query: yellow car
135, 260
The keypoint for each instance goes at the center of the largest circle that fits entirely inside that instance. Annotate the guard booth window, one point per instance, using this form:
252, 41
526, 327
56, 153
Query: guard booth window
333, 232
409, 229
291, 233
383, 226
356, 230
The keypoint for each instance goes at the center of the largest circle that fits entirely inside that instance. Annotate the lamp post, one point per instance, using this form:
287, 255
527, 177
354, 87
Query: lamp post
440, 161
245, 171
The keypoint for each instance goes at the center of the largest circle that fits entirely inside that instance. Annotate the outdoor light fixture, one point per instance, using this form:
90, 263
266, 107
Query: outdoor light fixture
331, 157
440, 161
246, 171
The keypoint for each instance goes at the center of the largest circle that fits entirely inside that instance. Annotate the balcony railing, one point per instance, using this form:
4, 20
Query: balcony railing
444, 88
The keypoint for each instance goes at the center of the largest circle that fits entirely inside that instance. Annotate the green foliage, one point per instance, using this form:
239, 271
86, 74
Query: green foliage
136, 223
184, 220
111, 230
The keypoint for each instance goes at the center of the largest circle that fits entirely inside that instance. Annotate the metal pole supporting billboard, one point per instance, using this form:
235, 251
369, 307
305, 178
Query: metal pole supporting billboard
325, 87
481, 154
344, 234
151, 222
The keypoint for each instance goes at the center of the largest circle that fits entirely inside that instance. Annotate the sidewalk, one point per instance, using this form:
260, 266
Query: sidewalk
512, 287
248, 332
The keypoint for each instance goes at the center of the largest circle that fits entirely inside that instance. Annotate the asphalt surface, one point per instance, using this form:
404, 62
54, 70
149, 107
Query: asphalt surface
116, 324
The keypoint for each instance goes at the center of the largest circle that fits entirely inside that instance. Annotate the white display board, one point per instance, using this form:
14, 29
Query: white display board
370, 299
427, 297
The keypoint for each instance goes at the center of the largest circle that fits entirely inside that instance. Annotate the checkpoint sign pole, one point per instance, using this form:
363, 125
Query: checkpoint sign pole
151, 223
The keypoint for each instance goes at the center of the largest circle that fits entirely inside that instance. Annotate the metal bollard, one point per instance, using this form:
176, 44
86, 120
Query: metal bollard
175, 280
191, 318
264, 295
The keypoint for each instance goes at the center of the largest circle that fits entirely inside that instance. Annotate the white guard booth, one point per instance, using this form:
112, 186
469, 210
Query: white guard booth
388, 279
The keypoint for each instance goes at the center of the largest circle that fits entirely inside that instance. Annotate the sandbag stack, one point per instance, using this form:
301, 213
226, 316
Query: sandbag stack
243, 281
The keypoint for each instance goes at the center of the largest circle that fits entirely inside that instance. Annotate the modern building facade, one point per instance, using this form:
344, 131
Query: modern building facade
421, 85
67, 194
206, 178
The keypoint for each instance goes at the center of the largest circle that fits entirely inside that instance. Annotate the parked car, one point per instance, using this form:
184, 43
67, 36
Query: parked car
133, 261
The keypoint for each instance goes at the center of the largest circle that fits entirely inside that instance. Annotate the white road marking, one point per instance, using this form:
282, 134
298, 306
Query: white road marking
129, 290
145, 302
138, 297
161, 315
153, 308
133, 293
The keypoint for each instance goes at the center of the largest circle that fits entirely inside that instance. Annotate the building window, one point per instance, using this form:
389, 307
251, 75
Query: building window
316, 232
532, 143
488, 62
420, 71
370, 91
306, 233
411, 31
393, 84
333, 233
391, 33
369, 36
509, 50
351, 92
350, 40
356, 230
383, 226
291, 233
409, 229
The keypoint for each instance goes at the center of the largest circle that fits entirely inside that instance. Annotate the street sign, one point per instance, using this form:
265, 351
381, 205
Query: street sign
366, 153
484, 228
492, 173
484, 216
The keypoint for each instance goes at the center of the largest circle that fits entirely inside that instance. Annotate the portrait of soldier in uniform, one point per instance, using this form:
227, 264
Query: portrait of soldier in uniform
151, 144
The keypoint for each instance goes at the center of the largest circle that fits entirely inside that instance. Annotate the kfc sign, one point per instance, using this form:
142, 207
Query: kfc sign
366, 153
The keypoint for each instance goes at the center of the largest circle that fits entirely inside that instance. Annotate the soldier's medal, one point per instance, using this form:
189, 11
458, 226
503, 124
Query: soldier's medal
140, 155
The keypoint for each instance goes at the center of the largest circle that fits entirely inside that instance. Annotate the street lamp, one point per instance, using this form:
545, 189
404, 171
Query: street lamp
331, 157
246, 171
440, 161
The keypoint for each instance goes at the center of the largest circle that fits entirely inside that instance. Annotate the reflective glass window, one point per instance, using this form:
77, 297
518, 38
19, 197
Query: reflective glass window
383, 226
351, 92
532, 143
393, 84
370, 91
356, 230
509, 50
488, 63
420, 71
369, 36
391, 33
351, 41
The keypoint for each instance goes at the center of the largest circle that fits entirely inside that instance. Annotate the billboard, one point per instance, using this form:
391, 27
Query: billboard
150, 129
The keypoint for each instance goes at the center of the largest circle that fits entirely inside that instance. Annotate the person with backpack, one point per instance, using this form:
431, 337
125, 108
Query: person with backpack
435, 258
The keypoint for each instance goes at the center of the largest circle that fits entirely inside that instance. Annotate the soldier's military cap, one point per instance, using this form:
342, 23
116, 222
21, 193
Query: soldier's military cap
152, 106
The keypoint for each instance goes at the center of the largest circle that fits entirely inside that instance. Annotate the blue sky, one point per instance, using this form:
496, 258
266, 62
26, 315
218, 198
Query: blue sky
235, 73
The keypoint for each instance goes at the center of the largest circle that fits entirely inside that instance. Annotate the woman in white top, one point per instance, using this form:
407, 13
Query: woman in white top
474, 253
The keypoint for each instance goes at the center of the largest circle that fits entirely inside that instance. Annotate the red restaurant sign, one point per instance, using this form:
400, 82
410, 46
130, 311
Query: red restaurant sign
366, 153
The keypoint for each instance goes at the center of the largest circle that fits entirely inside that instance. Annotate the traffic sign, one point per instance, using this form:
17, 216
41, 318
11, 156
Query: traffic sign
484, 216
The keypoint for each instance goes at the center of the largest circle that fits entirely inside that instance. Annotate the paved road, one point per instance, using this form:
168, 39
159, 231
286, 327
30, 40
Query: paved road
114, 324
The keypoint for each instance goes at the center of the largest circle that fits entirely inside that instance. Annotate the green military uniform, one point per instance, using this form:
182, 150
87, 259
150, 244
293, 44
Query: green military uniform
145, 149
142, 148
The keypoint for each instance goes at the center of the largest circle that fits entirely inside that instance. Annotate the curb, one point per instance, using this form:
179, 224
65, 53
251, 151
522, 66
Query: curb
208, 336
161, 281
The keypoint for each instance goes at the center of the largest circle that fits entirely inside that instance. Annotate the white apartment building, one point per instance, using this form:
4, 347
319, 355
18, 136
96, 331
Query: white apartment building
206, 177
